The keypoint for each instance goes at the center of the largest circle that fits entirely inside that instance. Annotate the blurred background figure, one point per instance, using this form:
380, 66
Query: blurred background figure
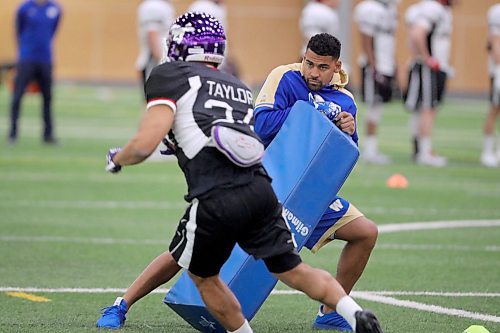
217, 9
36, 25
319, 16
377, 22
490, 158
154, 18
429, 33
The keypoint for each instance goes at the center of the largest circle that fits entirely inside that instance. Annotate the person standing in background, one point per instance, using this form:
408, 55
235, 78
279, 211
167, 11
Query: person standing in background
429, 32
36, 25
319, 16
377, 21
154, 18
490, 158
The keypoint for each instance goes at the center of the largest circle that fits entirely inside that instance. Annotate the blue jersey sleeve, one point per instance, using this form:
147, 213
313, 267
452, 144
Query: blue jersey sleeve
273, 104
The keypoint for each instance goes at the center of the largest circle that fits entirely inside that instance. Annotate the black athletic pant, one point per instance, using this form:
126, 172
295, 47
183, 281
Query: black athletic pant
26, 73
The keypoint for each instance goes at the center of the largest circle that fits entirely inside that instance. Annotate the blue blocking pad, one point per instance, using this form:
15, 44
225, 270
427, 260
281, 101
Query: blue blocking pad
309, 160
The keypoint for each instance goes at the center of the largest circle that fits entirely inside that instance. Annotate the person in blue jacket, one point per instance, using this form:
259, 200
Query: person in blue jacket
321, 80
36, 25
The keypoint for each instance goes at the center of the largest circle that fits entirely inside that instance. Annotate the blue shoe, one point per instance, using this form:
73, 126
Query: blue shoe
331, 321
113, 317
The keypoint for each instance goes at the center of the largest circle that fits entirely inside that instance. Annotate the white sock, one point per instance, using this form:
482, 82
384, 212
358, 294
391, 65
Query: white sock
425, 146
414, 123
371, 145
488, 144
245, 328
347, 307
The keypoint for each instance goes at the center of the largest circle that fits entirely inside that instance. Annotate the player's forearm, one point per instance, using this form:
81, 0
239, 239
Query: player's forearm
154, 45
367, 44
133, 153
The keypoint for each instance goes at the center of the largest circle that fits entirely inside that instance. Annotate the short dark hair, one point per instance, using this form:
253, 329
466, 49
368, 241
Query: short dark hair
325, 45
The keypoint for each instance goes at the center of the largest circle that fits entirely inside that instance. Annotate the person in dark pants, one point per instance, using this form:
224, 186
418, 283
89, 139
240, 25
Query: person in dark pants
36, 25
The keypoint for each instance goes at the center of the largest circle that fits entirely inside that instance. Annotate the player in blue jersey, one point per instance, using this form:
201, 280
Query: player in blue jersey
36, 25
321, 80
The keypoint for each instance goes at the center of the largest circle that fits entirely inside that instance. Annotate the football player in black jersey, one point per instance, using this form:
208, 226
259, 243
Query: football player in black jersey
208, 116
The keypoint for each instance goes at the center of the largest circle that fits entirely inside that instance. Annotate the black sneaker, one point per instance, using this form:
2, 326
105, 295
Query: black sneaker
366, 322
50, 141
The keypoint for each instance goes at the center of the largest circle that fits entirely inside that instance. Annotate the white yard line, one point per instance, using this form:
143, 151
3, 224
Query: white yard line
356, 294
373, 296
397, 227
426, 307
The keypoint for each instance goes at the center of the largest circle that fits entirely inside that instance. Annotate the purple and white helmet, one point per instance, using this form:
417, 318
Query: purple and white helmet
196, 36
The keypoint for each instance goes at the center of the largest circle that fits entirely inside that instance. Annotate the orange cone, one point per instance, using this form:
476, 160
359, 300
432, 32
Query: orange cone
397, 181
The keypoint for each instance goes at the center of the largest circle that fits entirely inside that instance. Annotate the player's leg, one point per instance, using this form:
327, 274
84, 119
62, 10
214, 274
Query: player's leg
343, 221
44, 78
161, 270
24, 74
433, 86
221, 302
203, 243
374, 94
489, 157
412, 101
321, 286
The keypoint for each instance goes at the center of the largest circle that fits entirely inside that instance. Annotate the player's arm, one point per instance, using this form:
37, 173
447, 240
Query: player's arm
272, 105
20, 22
367, 45
154, 44
154, 126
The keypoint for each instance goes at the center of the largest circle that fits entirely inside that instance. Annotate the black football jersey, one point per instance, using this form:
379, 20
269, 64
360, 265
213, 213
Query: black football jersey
202, 97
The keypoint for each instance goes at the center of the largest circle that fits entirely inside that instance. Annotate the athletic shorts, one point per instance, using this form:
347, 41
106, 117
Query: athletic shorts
337, 215
249, 215
425, 88
375, 91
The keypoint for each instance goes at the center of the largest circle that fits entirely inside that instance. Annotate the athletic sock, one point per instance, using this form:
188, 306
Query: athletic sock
245, 328
425, 146
489, 144
347, 307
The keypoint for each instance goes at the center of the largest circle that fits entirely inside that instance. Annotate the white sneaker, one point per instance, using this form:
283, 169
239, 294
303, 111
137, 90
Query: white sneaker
376, 158
489, 160
431, 160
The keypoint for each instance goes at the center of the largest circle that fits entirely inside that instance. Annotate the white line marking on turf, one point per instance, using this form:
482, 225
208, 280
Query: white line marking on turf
274, 292
374, 296
370, 296
426, 307
106, 241
96, 204
397, 227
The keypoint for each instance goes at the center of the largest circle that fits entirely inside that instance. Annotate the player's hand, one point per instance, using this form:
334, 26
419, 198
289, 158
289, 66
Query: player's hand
329, 109
168, 147
432, 63
345, 121
110, 165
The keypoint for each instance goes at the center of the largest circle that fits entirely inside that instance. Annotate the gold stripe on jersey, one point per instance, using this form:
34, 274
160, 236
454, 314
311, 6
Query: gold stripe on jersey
268, 91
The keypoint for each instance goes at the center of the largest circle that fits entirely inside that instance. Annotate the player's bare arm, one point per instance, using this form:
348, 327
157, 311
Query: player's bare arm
154, 126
